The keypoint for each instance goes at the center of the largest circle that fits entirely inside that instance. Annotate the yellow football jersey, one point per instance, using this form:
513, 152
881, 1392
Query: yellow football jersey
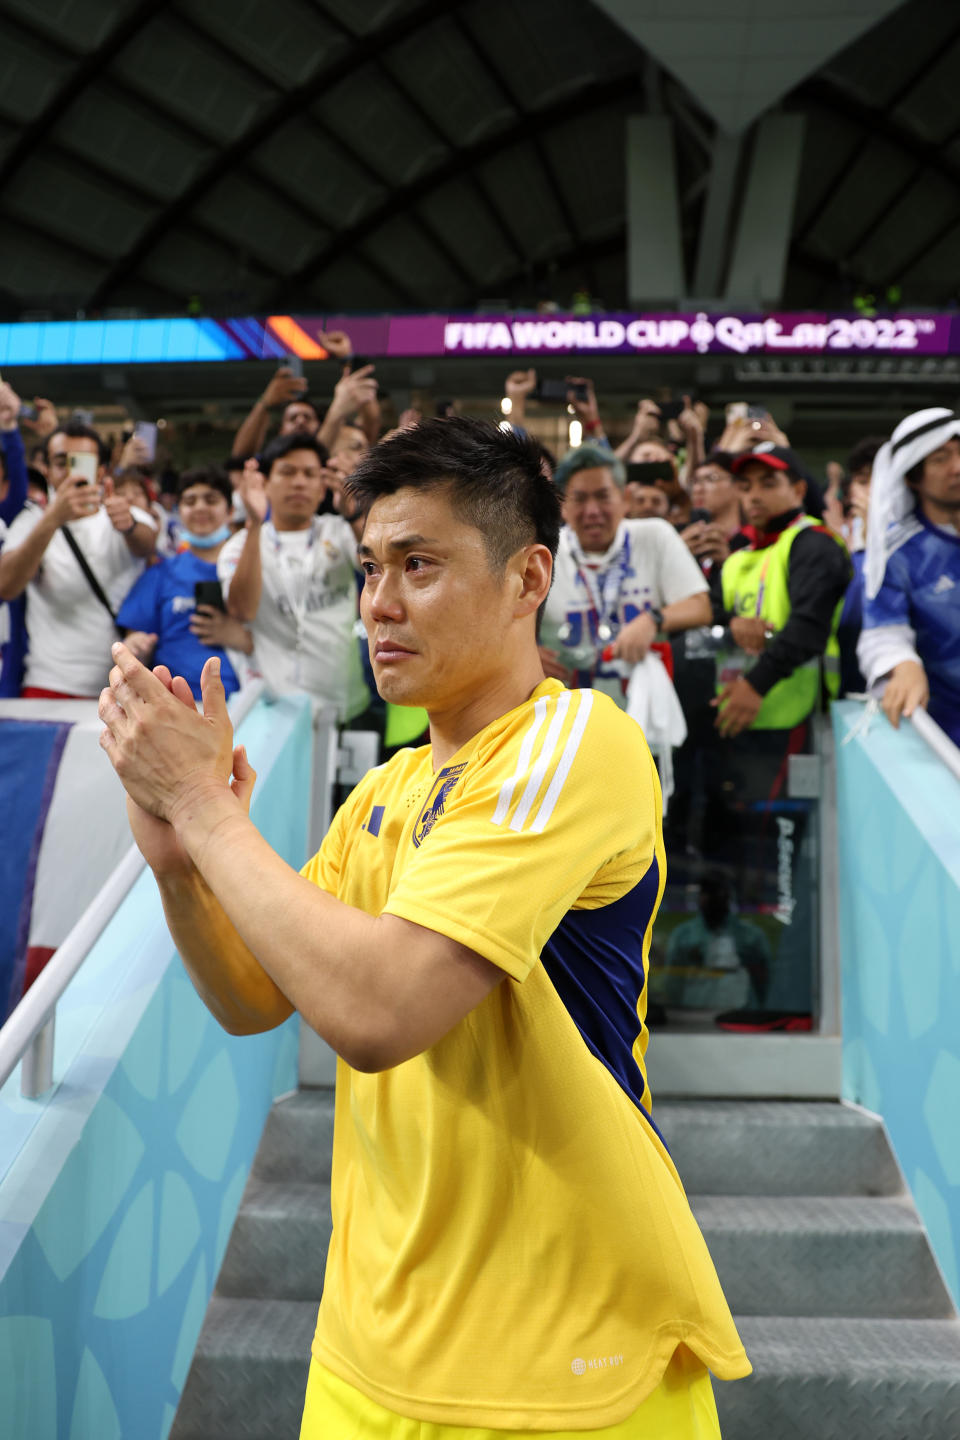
512, 1246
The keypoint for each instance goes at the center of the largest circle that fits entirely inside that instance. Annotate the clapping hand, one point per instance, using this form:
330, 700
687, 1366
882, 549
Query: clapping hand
253, 492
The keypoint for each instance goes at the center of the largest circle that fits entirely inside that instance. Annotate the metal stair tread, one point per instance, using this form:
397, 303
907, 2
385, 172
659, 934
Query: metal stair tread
787, 1215
285, 1199
816, 1113
852, 1347
257, 1329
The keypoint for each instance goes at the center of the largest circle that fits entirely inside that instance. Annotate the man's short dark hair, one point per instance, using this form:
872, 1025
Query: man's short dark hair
285, 443
210, 475
863, 454
76, 430
494, 475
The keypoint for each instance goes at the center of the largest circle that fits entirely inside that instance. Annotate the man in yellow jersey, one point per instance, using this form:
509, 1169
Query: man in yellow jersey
512, 1250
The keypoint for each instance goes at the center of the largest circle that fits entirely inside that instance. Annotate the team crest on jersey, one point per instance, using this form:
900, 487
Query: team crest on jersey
434, 804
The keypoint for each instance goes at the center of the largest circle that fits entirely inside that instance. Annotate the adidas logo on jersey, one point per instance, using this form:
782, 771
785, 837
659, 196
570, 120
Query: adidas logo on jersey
944, 583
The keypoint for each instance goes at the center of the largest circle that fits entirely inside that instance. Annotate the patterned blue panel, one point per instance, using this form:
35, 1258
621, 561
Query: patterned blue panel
899, 922
110, 1274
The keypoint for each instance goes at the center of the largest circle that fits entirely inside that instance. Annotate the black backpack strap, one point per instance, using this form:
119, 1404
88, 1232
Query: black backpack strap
91, 579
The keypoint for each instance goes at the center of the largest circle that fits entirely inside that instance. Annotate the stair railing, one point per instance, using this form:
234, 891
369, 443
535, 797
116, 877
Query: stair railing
941, 744
28, 1034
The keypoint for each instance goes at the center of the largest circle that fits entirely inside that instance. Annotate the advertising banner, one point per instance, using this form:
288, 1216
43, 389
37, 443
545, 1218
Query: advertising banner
183, 340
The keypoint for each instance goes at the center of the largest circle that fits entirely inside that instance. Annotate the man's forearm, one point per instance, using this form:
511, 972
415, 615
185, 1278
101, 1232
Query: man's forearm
252, 433
330, 429
141, 540
229, 979
687, 614
246, 584
18, 566
323, 958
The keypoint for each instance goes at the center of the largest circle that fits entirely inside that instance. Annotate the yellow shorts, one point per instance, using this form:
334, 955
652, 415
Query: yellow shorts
681, 1408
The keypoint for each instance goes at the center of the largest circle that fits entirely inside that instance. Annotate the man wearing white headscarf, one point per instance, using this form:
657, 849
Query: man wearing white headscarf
910, 642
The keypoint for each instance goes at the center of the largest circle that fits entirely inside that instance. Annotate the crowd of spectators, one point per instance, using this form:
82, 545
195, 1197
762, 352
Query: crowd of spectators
699, 554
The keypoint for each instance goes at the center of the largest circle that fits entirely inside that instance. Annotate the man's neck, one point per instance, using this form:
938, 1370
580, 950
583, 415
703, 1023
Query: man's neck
286, 527
450, 729
728, 520
948, 515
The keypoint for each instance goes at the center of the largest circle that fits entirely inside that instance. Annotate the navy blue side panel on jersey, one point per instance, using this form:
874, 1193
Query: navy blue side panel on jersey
594, 959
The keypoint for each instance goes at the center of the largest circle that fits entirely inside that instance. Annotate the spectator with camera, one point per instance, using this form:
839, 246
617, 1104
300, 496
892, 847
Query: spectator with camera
75, 560
13, 497
174, 615
290, 575
716, 521
354, 396
618, 583
910, 643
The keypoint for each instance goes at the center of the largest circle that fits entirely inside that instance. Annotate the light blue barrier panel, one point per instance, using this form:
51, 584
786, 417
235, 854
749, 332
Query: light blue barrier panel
899, 837
119, 1191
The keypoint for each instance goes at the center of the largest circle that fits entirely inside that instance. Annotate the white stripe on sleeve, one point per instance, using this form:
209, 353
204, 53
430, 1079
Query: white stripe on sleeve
544, 761
526, 750
566, 760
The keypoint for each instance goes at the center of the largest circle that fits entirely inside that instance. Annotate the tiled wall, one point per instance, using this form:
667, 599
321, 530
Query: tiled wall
899, 832
119, 1189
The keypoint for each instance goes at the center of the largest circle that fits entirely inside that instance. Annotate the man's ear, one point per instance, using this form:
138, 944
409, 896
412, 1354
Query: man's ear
534, 572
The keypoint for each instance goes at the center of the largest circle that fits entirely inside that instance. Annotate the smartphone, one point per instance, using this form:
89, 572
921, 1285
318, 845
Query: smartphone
354, 362
83, 467
295, 365
650, 472
209, 592
669, 409
146, 431
757, 412
28, 412
557, 392
83, 417
699, 516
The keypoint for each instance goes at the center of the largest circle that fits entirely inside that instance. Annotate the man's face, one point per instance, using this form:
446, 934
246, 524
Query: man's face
941, 476
349, 448
295, 487
299, 419
649, 451
60, 449
436, 616
203, 509
859, 493
645, 502
766, 493
593, 507
713, 489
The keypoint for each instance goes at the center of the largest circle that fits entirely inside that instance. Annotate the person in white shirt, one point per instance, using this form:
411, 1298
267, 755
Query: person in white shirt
617, 584
290, 574
70, 629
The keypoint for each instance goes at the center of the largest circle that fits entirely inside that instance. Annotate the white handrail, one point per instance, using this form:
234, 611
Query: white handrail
27, 1026
941, 744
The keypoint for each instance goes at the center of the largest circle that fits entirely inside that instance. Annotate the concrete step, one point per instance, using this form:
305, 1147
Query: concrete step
278, 1247
249, 1372
822, 1256
845, 1380
756, 1147
298, 1138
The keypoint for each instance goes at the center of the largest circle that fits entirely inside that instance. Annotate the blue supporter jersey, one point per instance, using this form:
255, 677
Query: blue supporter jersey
921, 588
162, 602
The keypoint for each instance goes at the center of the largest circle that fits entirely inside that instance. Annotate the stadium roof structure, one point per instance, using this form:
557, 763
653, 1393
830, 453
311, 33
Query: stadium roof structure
409, 154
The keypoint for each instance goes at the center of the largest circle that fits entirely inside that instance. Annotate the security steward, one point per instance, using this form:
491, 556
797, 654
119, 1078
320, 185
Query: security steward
782, 597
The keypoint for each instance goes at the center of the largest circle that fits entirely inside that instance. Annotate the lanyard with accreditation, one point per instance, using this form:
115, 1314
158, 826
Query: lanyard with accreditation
295, 583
